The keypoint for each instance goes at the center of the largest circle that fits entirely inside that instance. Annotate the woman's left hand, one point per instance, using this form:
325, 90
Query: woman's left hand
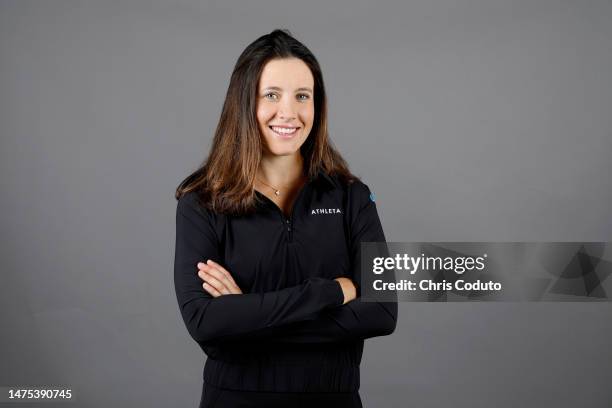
217, 280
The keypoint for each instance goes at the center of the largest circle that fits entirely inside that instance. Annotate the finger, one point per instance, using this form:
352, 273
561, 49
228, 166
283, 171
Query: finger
211, 290
215, 278
229, 283
227, 276
209, 267
221, 274
214, 282
222, 270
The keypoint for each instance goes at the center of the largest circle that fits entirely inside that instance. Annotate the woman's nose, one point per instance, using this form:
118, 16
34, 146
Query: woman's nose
286, 110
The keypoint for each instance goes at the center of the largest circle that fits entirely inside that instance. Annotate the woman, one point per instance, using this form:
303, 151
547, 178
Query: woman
267, 243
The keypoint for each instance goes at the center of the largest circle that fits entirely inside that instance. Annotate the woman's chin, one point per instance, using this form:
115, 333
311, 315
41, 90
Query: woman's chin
281, 151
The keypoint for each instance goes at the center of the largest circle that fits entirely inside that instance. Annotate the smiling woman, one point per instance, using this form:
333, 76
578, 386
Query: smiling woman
268, 232
285, 109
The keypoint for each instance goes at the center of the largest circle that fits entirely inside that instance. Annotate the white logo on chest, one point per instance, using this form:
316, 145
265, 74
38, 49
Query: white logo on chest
320, 211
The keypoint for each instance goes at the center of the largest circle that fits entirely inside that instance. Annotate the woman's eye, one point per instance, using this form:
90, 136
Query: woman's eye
303, 97
271, 96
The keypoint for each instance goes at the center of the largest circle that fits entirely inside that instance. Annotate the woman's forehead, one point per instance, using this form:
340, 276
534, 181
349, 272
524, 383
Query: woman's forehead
286, 74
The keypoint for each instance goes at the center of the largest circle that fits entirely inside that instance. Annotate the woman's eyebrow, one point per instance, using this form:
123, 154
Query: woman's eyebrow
276, 88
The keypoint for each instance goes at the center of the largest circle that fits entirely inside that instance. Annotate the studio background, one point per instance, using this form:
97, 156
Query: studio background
471, 120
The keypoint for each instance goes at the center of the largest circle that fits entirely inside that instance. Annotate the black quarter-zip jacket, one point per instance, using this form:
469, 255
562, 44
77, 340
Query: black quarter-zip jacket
288, 331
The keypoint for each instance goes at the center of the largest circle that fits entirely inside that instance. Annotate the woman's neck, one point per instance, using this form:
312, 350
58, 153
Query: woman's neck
281, 171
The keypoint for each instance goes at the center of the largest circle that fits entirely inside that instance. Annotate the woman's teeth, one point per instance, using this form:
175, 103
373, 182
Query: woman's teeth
283, 130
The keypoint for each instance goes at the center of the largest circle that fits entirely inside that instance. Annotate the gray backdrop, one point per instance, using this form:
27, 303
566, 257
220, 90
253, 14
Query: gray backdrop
471, 120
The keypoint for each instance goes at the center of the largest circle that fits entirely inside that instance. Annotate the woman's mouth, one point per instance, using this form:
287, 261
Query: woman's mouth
284, 132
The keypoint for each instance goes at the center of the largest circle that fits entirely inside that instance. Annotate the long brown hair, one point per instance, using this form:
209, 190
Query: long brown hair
225, 180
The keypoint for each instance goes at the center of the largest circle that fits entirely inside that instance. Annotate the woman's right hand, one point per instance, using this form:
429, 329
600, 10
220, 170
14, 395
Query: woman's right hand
348, 289
217, 280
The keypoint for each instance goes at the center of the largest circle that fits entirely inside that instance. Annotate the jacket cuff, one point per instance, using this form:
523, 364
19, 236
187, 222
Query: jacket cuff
336, 295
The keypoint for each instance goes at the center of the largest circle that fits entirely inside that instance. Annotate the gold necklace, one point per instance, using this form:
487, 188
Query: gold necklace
276, 190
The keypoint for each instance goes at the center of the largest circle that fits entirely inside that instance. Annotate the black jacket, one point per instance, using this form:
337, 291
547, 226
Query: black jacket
288, 331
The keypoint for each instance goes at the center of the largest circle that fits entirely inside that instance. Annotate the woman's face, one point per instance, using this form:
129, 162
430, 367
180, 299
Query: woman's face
285, 105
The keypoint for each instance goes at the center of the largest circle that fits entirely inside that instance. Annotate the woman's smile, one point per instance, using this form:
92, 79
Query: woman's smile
284, 132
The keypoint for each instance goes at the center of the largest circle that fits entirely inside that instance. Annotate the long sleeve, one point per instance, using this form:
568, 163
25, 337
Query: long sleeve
356, 319
208, 318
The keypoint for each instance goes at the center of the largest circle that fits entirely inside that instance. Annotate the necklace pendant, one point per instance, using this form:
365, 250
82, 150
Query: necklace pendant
277, 192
